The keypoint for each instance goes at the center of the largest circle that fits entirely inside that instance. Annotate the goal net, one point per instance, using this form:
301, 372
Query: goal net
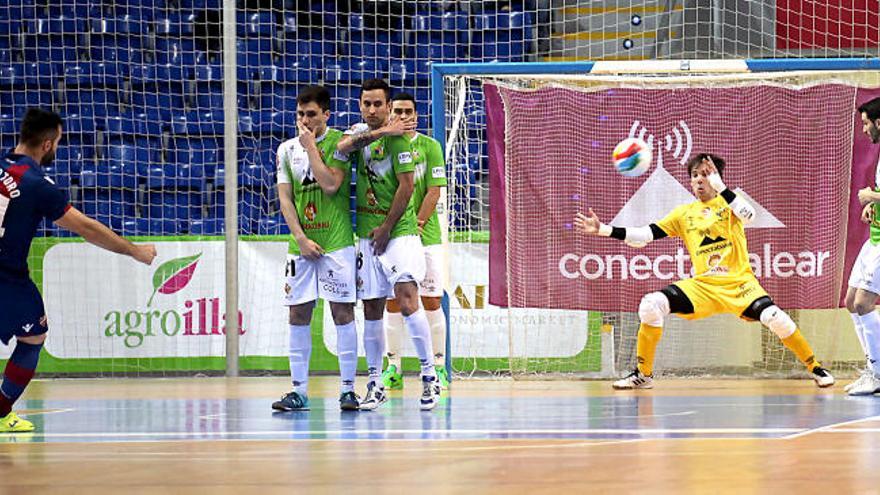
529, 152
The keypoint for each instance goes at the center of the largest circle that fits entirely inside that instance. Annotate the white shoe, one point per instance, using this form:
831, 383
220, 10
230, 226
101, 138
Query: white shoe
635, 380
429, 393
822, 377
864, 374
375, 397
869, 386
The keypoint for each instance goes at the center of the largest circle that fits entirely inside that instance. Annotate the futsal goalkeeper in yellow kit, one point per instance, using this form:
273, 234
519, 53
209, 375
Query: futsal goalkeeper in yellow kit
712, 229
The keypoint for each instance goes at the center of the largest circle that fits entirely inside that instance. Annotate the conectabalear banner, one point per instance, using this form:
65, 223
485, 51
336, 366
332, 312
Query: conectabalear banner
799, 156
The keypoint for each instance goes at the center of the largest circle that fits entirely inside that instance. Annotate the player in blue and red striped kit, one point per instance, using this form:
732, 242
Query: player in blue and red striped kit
27, 196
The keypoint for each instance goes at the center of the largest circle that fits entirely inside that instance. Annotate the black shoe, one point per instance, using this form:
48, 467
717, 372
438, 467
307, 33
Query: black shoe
349, 401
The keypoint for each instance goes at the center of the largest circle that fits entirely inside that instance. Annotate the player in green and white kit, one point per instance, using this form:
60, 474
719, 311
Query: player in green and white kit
390, 256
430, 176
864, 280
313, 182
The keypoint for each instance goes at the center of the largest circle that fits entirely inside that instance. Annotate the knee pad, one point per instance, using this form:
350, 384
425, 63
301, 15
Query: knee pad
653, 307
778, 321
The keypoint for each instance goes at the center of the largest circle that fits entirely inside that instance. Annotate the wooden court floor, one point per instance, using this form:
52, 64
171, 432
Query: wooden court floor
218, 436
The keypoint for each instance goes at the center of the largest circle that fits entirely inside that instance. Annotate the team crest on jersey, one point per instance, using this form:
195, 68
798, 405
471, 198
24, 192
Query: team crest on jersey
311, 211
287, 288
416, 155
371, 197
377, 153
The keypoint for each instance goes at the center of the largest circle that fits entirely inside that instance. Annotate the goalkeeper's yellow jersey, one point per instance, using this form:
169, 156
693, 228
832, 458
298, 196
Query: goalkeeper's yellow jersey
714, 237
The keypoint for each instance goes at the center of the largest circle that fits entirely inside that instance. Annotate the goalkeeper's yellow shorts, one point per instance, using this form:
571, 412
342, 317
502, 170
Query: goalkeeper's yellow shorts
711, 295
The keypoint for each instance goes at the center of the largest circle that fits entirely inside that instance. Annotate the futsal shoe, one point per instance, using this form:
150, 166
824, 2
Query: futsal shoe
348, 401
375, 397
442, 377
635, 380
868, 386
11, 423
392, 379
822, 377
429, 393
862, 377
292, 401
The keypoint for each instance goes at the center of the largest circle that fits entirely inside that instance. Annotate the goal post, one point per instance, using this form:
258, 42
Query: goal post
559, 313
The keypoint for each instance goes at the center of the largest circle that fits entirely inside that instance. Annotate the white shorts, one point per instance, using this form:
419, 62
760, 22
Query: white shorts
432, 284
865, 272
331, 277
402, 261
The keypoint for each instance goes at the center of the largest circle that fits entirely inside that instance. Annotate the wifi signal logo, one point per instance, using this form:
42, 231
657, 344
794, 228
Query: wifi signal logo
678, 141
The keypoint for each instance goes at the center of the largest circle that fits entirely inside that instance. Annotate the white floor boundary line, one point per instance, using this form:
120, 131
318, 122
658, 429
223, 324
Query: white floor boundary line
827, 428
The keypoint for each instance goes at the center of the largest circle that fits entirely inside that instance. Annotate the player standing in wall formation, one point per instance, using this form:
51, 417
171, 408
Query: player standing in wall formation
864, 280
391, 261
712, 229
430, 176
321, 254
27, 195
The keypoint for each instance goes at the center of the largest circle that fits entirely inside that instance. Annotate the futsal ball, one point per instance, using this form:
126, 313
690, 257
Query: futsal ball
632, 157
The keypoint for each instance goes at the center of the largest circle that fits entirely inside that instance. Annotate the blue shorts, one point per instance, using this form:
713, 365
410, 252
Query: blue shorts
22, 308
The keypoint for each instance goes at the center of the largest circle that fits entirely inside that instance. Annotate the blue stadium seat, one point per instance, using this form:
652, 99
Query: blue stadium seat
274, 225
113, 202
131, 158
253, 24
79, 9
289, 23
403, 72
156, 104
447, 21
347, 70
177, 205
207, 226
75, 124
206, 153
93, 74
197, 123
183, 52
17, 102
438, 47
27, 74
254, 53
159, 226
69, 24
315, 48
495, 48
175, 24
135, 124
201, 4
131, 23
300, 68
91, 102
113, 48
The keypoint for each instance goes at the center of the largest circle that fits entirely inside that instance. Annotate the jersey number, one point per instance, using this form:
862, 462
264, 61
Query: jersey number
4, 205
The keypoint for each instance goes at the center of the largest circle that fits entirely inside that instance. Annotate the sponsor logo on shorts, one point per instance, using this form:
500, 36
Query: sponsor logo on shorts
27, 328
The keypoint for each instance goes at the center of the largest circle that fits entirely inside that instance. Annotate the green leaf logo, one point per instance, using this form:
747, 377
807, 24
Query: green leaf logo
173, 275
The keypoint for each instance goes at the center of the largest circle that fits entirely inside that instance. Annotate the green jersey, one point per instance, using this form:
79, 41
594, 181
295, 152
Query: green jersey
430, 171
325, 219
377, 167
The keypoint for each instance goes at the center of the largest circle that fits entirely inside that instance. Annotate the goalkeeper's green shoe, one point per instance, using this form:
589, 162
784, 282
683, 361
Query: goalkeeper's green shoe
11, 423
392, 379
442, 376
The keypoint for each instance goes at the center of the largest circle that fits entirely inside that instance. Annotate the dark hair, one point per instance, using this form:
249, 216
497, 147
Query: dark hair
871, 109
39, 125
371, 84
317, 94
404, 97
697, 159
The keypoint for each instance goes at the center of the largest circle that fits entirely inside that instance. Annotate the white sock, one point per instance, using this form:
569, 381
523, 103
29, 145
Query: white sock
871, 327
300, 353
437, 321
347, 350
860, 332
420, 332
394, 336
374, 346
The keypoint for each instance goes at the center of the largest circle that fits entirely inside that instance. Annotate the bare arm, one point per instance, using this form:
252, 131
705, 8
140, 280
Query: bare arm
429, 204
330, 179
358, 140
381, 234
308, 248
98, 234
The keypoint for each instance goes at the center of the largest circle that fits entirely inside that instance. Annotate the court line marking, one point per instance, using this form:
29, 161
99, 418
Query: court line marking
438, 432
273, 418
828, 428
45, 412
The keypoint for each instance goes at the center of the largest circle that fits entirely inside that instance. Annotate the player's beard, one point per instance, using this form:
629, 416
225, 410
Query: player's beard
48, 158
